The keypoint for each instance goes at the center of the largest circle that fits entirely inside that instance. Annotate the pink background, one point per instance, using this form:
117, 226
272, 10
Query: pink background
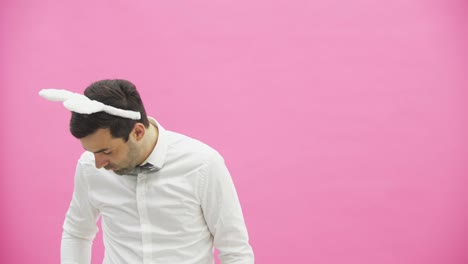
343, 123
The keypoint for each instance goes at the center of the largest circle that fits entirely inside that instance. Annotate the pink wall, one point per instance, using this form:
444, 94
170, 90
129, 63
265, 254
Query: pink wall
344, 123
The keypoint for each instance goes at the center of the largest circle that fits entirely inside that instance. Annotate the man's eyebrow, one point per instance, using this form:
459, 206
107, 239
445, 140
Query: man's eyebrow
99, 151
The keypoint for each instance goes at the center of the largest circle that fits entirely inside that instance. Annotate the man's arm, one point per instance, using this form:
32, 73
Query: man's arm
223, 214
75, 250
80, 227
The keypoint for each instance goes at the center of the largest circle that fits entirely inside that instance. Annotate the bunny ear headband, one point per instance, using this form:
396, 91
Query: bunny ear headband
81, 104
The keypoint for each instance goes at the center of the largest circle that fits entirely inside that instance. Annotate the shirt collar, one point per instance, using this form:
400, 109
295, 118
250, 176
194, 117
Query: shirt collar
157, 157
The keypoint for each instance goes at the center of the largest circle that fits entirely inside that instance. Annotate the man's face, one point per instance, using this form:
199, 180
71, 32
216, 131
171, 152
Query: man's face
111, 153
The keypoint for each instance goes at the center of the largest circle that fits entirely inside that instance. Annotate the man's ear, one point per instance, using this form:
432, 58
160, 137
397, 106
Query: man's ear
138, 131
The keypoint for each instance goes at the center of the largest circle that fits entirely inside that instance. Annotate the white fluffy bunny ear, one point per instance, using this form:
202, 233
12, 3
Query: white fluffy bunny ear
60, 95
81, 104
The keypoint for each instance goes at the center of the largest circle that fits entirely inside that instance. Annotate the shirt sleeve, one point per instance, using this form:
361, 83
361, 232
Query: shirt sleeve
79, 228
223, 214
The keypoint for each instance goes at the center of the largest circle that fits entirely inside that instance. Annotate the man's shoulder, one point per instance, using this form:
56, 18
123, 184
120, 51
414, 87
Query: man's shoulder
86, 158
86, 167
187, 145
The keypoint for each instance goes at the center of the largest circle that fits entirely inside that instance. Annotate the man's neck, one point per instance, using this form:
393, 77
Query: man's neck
150, 141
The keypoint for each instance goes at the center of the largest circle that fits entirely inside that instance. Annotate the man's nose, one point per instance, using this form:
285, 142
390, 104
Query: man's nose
100, 160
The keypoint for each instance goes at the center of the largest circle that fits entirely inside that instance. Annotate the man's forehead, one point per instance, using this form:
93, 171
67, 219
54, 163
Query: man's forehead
99, 141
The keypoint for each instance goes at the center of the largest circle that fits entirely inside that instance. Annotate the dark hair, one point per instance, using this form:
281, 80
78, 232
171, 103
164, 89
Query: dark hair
117, 93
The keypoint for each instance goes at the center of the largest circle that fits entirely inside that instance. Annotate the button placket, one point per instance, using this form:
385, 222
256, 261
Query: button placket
144, 220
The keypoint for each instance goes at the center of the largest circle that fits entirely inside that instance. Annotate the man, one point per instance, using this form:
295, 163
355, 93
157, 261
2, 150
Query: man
163, 197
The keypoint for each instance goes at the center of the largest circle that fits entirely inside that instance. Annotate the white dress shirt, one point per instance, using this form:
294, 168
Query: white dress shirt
175, 214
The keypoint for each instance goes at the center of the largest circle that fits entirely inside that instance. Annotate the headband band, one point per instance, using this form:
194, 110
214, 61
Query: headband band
81, 104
